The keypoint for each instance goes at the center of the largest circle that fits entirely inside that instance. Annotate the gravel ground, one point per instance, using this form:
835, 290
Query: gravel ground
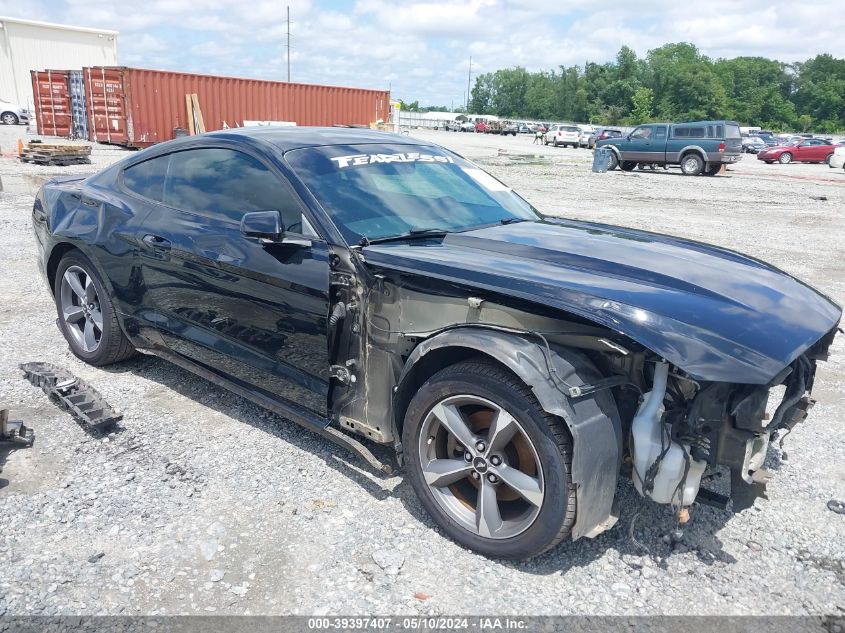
204, 503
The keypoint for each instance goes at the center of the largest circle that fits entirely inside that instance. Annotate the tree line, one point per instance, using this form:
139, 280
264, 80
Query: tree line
673, 83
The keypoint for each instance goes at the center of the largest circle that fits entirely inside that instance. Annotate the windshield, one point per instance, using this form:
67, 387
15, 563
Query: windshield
377, 191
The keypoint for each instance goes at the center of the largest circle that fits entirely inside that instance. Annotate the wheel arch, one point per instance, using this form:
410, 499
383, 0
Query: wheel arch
593, 421
56, 255
693, 148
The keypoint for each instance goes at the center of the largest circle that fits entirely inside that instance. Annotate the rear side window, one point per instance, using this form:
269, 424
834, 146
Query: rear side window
680, 132
225, 184
732, 131
147, 178
660, 132
698, 131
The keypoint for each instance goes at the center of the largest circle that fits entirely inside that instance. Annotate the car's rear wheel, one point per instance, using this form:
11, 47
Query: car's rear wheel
785, 158
628, 165
692, 165
86, 314
9, 118
490, 466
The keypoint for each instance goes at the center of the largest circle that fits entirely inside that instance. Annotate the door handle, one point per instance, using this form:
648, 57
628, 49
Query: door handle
154, 241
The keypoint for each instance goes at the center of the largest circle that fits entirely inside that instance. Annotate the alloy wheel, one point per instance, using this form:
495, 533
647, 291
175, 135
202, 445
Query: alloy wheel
481, 467
10, 119
81, 309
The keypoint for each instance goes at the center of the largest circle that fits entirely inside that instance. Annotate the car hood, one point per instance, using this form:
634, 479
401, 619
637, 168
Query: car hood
716, 314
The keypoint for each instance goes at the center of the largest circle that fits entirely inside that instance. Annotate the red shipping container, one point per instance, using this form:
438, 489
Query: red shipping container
53, 114
138, 107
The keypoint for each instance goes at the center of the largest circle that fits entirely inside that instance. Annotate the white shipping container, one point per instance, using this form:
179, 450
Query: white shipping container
27, 45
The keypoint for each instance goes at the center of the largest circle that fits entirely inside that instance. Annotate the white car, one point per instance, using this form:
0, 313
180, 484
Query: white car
837, 161
12, 113
563, 135
584, 137
468, 126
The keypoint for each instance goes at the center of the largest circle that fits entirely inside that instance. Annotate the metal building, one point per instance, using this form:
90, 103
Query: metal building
26, 45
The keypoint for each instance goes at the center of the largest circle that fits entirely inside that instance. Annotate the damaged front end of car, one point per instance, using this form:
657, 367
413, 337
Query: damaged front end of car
685, 430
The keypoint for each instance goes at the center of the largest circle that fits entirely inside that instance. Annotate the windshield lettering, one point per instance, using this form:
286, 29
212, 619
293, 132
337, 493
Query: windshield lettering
356, 160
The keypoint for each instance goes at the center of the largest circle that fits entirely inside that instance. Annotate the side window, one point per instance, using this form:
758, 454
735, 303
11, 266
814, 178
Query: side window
225, 184
660, 133
147, 178
720, 133
696, 132
643, 132
680, 132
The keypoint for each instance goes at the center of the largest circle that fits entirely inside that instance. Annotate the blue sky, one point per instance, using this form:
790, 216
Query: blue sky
421, 48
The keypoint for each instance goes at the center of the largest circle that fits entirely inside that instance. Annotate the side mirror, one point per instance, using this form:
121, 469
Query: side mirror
267, 227
262, 224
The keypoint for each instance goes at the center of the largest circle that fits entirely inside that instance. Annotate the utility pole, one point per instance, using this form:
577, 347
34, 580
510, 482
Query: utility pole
288, 44
469, 78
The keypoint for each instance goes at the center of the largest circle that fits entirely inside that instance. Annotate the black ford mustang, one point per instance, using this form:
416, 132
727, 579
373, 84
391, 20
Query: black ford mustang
367, 284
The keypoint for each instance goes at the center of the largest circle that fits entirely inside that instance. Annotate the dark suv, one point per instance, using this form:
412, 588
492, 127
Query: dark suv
698, 146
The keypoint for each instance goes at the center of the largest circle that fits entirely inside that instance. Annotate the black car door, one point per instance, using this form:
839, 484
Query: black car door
253, 311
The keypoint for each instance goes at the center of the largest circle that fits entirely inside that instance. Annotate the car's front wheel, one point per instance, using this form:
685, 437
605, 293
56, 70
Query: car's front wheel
9, 118
490, 466
785, 158
86, 314
612, 162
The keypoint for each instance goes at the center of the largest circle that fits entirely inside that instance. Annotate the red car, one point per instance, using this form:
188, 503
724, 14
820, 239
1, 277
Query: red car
481, 127
811, 150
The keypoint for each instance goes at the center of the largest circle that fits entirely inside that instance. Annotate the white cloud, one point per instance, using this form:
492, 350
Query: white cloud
421, 47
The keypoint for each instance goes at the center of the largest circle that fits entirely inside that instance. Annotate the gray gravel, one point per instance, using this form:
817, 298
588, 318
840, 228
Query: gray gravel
205, 504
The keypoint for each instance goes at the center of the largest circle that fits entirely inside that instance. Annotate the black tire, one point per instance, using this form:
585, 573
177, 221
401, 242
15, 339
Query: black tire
827, 159
713, 169
627, 165
692, 164
613, 161
9, 118
113, 346
785, 158
548, 434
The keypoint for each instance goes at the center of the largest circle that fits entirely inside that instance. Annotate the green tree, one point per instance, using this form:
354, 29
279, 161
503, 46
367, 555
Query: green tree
643, 100
673, 82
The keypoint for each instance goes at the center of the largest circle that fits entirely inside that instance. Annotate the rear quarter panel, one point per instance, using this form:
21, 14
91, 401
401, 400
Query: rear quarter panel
104, 224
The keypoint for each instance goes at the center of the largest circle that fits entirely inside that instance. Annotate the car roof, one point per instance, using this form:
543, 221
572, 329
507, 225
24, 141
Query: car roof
287, 138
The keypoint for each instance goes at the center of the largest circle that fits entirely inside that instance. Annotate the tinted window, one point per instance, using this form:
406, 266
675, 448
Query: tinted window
147, 178
719, 132
226, 184
680, 132
383, 190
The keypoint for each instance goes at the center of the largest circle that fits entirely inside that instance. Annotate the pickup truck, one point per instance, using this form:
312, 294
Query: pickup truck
697, 146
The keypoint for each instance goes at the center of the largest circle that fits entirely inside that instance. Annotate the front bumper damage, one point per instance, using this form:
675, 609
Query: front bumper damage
717, 425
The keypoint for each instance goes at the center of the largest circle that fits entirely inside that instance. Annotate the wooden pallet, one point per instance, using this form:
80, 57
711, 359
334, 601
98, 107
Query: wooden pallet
50, 154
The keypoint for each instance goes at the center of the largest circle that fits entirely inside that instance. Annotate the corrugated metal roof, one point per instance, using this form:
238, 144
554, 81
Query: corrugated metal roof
53, 25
